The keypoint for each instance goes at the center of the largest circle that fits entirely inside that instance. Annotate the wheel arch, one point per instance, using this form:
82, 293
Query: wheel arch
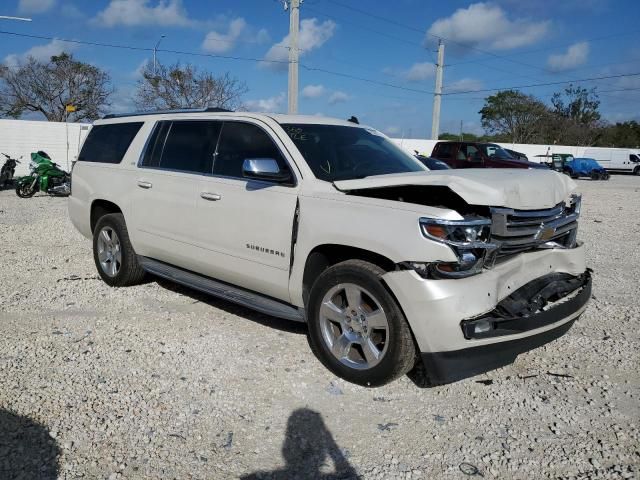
326, 255
100, 208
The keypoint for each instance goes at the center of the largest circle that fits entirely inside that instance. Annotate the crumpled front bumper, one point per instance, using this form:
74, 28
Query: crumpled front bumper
440, 312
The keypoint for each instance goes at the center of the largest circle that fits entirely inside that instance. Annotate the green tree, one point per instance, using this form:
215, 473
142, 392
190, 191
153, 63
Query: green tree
514, 116
48, 87
177, 86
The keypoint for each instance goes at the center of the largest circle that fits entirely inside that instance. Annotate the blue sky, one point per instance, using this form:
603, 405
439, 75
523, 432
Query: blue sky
488, 45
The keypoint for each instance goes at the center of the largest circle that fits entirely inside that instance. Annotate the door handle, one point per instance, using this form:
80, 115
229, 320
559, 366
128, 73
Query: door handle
142, 184
214, 197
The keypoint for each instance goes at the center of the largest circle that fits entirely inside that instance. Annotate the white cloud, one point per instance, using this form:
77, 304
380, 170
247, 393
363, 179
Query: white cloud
463, 85
143, 12
487, 25
223, 42
313, 91
271, 104
392, 130
338, 97
575, 56
40, 52
312, 35
420, 72
35, 6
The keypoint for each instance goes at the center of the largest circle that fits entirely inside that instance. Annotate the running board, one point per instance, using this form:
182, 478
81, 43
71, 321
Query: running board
248, 299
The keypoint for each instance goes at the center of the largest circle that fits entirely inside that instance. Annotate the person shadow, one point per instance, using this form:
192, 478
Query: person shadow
26, 449
307, 446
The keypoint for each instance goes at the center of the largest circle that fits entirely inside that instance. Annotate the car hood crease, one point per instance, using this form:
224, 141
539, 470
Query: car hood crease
510, 188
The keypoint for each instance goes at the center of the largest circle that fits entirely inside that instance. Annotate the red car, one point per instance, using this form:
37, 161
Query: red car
478, 155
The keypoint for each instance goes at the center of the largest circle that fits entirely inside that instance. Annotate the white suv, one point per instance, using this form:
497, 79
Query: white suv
395, 268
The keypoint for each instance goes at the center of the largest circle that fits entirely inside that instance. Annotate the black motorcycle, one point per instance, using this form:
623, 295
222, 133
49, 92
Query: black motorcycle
7, 171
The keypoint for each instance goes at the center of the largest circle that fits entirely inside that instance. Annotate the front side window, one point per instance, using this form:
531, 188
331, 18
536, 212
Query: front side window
444, 150
108, 143
337, 152
492, 150
240, 141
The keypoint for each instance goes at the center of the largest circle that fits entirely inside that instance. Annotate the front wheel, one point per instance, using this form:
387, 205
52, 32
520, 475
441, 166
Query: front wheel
24, 189
356, 328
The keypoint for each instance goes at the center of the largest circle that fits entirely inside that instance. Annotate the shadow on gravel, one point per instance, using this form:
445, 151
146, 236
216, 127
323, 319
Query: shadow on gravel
308, 446
26, 449
229, 307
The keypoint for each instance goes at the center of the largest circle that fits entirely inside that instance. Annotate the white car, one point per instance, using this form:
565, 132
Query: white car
396, 269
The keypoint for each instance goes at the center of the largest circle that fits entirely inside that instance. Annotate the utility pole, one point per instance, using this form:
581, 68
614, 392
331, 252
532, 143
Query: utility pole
154, 54
294, 26
437, 94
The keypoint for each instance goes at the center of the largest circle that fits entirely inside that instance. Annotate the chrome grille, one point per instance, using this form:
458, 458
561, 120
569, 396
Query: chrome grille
516, 231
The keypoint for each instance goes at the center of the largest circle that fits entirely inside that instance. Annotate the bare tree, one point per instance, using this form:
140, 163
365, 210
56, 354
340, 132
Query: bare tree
176, 86
48, 87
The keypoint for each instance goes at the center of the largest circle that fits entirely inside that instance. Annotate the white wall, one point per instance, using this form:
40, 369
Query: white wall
21, 137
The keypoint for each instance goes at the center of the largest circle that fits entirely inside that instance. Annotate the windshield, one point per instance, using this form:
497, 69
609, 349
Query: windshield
492, 150
336, 152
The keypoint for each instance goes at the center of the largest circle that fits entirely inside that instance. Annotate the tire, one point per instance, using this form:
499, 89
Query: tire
113, 253
24, 190
386, 350
595, 176
636, 171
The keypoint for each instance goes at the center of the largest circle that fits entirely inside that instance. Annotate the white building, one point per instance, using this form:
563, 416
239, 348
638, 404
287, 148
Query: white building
60, 140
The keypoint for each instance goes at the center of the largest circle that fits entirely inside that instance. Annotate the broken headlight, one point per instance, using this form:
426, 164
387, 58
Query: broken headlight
469, 239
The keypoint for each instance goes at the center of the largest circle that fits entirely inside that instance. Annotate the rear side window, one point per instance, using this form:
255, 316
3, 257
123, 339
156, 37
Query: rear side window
240, 141
186, 146
108, 143
444, 150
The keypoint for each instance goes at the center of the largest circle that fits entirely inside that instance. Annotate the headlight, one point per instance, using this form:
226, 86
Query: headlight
463, 233
469, 239
575, 203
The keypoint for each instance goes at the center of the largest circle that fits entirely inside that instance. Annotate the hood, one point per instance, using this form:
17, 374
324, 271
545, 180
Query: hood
510, 188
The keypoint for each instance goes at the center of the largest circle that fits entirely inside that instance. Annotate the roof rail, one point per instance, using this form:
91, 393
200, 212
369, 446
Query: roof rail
158, 112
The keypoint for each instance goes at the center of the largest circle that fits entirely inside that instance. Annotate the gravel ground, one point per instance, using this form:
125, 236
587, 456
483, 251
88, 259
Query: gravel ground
158, 381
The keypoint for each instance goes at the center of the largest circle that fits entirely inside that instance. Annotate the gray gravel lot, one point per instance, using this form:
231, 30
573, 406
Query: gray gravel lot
158, 381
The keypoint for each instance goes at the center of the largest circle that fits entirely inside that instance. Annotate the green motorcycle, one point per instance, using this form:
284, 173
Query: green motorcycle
46, 176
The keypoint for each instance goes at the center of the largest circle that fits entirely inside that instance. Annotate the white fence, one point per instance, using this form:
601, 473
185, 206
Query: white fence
61, 141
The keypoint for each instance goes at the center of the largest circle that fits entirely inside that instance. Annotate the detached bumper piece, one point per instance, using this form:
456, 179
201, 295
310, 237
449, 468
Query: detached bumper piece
542, 302
539, 303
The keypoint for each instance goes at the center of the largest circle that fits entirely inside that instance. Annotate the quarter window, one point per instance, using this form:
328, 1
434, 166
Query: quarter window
108, 143
240, 141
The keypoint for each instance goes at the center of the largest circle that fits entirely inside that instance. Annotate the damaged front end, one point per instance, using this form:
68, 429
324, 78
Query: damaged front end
537, 304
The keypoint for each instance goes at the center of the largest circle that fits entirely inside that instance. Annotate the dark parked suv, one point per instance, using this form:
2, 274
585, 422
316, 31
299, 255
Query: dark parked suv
478, 155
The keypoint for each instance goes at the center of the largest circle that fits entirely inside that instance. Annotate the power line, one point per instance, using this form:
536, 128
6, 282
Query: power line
316, 69
545, 84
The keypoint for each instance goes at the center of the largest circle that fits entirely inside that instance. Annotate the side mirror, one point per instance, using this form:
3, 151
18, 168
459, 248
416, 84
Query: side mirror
264, 169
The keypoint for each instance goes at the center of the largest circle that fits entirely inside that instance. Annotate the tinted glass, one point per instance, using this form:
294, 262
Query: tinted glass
240, 141
108, 143
492, 150
190, 146
153, 150
336, 152
444, 150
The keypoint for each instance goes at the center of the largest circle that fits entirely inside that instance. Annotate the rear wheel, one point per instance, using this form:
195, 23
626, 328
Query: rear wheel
356, 328
113, 253
595, 175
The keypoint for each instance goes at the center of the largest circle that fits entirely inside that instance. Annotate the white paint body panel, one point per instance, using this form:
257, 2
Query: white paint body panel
172, 223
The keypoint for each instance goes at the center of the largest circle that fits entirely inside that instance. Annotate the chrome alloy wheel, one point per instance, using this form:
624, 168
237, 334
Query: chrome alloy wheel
354, 326
109, 251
